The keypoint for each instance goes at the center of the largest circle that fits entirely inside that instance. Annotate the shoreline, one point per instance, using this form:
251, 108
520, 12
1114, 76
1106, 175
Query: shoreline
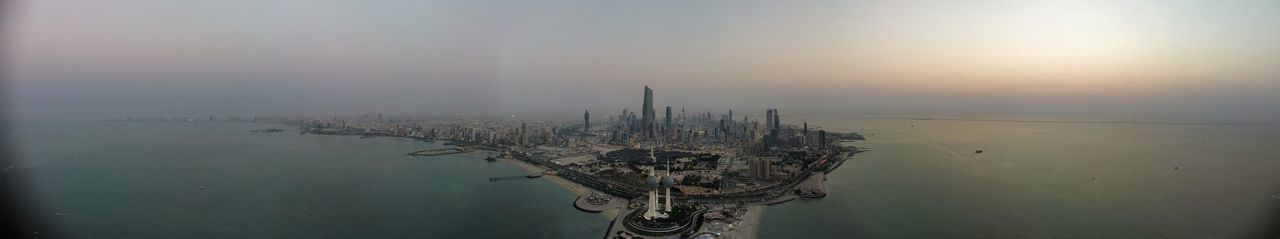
577, 189
566, 184
747, 227
751, 222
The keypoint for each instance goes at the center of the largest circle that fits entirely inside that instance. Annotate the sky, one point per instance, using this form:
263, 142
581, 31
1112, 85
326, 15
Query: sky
88, 58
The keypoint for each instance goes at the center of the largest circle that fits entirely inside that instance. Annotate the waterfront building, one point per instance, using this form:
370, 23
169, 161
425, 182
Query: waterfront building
656, 208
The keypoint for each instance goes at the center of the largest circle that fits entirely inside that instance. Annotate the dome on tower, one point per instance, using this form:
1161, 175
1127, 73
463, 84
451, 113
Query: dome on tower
651, 181
668, 181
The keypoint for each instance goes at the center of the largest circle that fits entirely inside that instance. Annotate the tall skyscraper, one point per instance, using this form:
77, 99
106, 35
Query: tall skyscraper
646, 120
805, 140
777, 123
586, 120
667, 120
822, 139
768, 118
524, 137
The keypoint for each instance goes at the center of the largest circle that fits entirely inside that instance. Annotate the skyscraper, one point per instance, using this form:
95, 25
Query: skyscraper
768, 118
777, 123
822, 139
667, 120
524, 137
586, 120
647, 117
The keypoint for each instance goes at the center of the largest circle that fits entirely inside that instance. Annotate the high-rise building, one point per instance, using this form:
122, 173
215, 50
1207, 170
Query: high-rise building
524, 137
759, 168
586, 120
822, 139
777, 123
647, 117
805, 140
666, 122
768, 118
681, 116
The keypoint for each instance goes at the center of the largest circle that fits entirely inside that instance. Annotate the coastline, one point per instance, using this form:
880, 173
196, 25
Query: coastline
566, 184
575, 188
747, 226
751, 222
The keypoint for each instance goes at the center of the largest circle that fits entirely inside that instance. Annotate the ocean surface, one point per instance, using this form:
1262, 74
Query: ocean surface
920, 179
218, 180
923, 179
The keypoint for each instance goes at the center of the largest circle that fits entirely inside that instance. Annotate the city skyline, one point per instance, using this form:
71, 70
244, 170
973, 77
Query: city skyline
558, 119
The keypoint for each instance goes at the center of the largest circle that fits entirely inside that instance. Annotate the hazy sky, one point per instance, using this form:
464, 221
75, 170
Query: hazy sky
116, 57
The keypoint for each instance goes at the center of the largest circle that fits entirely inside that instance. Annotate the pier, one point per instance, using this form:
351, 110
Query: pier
530, 176
438, 152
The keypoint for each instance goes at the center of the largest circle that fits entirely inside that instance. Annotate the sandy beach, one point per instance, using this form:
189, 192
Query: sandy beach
576, 188
750, 222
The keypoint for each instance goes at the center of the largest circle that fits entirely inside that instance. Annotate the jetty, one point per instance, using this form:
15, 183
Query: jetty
267, 130
530, 176
438, 152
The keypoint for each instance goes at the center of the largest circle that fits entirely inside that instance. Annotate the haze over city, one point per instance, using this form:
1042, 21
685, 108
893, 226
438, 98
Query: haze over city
640, 119
1199, 60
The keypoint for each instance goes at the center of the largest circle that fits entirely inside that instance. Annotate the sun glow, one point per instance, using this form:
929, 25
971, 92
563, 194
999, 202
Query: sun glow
1066, 33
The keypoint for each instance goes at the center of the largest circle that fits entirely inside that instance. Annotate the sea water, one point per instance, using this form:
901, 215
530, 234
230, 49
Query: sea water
95, 179
1044, 179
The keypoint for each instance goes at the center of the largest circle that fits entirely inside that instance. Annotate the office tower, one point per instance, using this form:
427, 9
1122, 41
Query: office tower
667, 120
730, 117
805, 134
822, 139
586, 120
777, 123
524, 139
646, 119
681, 116
768, 118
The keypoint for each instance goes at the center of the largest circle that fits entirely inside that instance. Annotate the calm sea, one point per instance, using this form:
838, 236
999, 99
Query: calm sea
1041, 180
218, 180
1033, 180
